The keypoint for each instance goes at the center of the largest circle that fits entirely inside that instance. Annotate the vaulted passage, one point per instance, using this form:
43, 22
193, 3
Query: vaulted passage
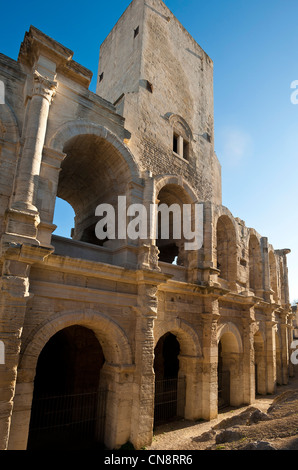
92, 173
68, 407
172, 226
169, 387
223, 381
230, 374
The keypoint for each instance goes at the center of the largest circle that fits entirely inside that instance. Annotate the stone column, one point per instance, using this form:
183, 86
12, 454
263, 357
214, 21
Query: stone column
284, 347
46, 195
248, 323
209, 363
271, 353
37, 116
266, 269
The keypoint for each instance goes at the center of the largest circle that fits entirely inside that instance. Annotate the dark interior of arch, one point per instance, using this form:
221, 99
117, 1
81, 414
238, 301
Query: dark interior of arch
170, 249
166, 362
67, 396
169, 389
223, 380
93, 172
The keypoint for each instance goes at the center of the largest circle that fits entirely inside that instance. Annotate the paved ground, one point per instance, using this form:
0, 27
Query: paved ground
271, 422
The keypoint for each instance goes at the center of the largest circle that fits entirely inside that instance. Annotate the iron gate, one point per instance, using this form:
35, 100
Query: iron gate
223, 389
68, 421
169, 399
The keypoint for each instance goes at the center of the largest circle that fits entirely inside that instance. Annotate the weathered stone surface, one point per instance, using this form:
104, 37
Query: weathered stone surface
146, 135
259, 445
228, 435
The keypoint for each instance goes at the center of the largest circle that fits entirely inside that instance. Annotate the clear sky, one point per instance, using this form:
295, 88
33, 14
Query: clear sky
254, 47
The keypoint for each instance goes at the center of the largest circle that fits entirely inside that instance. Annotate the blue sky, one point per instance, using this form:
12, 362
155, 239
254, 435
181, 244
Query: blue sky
254, 49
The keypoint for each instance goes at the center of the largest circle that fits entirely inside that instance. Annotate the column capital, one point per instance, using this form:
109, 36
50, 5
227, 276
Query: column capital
43, 86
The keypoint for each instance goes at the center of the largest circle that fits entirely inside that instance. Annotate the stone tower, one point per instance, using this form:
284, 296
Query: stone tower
161, 81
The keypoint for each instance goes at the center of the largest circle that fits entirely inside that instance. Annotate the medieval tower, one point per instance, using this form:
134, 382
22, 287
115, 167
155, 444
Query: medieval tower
121, 323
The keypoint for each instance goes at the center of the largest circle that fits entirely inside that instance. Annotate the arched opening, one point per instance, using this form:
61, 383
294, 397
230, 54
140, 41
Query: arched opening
223, 374
255, 265
68, 407
63, 218
172, 225
93, 172
226, 249
230, 388
260, 364
169, 388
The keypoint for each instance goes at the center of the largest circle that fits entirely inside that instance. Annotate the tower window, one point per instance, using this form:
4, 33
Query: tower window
175, 143
136, 32
101, 77
180, 146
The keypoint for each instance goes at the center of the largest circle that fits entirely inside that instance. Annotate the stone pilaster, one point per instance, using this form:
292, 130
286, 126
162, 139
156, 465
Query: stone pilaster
271, 353
14, 289
210, 359
284, 347
248, 323
266, 270
190, 367
144, 384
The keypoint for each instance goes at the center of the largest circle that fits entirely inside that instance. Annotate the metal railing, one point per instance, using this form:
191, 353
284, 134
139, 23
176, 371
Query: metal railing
223, 389
68, 421
169, 400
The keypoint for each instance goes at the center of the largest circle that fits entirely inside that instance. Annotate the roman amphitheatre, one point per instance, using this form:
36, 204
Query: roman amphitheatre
107, 340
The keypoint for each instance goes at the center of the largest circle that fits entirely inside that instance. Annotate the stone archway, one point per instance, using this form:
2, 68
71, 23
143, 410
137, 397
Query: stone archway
91, 167
260, 364
74, 129
185, 355
69, 400
118, 356
174, 196
169, 388
230, 372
